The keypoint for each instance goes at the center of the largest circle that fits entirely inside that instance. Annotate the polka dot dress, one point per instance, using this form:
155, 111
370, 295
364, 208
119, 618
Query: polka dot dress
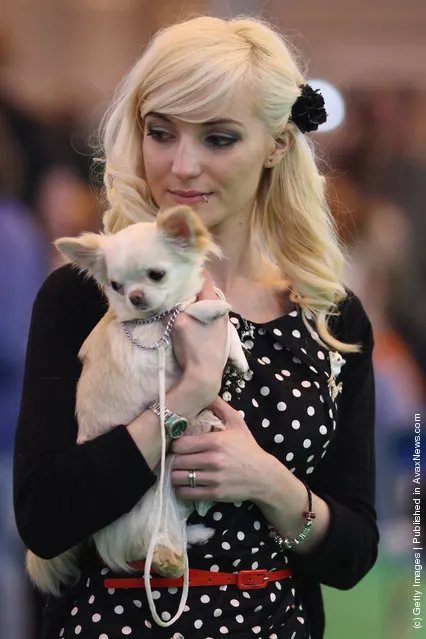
286, 402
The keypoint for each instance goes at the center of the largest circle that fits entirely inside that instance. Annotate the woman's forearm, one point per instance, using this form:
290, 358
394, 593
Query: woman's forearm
283, 498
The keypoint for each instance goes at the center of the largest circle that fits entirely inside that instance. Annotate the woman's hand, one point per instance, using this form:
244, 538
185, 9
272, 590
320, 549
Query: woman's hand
200, 349
228, 463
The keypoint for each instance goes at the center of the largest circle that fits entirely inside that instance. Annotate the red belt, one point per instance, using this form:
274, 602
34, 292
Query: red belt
244, 579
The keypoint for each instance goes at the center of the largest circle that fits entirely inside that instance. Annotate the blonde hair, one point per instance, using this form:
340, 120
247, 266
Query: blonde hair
192, 70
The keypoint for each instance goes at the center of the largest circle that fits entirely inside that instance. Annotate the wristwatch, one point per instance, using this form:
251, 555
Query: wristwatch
174, 424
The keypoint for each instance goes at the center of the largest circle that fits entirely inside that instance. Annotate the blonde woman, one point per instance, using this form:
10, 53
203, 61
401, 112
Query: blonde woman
215, 115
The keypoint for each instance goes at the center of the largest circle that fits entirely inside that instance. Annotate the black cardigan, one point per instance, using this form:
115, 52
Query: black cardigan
64, 492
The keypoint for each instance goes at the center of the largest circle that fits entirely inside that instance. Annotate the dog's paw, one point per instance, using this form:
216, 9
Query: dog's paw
198, 534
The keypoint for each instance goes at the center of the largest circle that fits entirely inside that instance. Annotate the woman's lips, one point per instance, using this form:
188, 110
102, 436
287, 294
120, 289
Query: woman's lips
189, 199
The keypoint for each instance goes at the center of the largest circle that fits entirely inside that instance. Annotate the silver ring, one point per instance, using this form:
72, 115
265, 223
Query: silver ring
192, 476
205, 198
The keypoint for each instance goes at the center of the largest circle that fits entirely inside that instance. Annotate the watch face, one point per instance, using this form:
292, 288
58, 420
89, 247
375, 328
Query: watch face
175, 426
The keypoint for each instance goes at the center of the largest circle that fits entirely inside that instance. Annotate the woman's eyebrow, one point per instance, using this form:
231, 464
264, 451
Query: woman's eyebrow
208, 123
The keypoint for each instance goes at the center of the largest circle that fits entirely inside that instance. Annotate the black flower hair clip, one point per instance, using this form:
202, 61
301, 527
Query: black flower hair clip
308, 111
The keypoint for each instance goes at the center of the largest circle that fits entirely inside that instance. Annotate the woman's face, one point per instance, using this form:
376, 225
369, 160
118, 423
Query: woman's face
222, 159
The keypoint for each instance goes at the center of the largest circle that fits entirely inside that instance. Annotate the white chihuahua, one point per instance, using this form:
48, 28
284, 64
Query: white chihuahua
145, 269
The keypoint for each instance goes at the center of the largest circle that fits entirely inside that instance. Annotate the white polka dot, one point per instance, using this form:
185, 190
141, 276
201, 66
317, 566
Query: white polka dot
311, 410
248, 343
217, 612
278, 586
264, 391
239, 618
281, 406
254, 551
198, 623
137, 603
235, 603
277, 331
61, 632
156, 594
306, 443
119, 609
289, 456
295, 333
126, 630
278, 439
255, 403
320, 355
323, 430
223, 630
262, 331
292, 470
265, 423
104, 571
321, 399
103, 636
235, 321
88, 583
310, 458
166, 616
91, 599
306, 384
208, 556
236, 562
296, 392
300, 620
77, 630
96, 617
326, 444
278, 346
237, 504
296, 360
256, 629
266, 360
172, 591
255, 565
273, 636
285, 372
330, 412
186, 609
214, 568
217, 515
279, 378
226, 545
240, 535
256, 525
309, 470
261, 361
273, 596
295, 424
242, 413
74, 611
314, 370
111, 591
293, 314
205, 599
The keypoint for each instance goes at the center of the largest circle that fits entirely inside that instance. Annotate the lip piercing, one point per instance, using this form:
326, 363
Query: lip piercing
205, 198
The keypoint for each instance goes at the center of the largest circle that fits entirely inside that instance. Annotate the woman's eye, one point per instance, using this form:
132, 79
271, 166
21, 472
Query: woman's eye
156, 276
220, 141
159, 135
116, 287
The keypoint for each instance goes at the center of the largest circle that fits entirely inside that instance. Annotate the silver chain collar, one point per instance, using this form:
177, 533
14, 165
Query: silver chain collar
174, 312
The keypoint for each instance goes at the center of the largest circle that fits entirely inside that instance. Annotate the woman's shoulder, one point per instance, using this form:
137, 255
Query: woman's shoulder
71, 290
351, 324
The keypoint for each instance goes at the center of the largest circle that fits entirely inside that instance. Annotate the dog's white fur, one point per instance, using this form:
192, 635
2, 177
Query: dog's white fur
119, 381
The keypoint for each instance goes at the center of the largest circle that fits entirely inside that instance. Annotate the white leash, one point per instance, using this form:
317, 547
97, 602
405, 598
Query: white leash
159, 494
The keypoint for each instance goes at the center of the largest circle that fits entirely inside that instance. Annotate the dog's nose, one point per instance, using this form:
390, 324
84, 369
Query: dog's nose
137, 298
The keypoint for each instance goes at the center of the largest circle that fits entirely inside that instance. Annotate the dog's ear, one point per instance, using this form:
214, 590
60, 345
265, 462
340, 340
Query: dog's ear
182, 226
86, 251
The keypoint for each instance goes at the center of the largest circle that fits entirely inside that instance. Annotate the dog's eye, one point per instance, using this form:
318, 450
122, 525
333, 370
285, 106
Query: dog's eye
117, 287
156, 276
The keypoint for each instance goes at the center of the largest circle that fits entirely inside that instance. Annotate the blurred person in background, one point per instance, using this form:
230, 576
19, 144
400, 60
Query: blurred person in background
23, 266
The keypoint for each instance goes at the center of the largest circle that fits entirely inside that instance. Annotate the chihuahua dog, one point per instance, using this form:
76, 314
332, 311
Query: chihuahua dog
144, 270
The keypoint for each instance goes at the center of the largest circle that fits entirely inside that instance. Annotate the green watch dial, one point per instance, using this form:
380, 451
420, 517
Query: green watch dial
175, 426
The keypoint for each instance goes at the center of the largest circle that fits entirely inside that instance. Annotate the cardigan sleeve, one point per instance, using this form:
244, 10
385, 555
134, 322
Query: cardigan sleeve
64, 492
345, 478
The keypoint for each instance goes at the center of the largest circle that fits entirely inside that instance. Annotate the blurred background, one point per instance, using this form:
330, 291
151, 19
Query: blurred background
59, 63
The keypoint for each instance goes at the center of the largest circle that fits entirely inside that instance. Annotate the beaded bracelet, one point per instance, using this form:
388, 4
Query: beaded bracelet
286, 543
